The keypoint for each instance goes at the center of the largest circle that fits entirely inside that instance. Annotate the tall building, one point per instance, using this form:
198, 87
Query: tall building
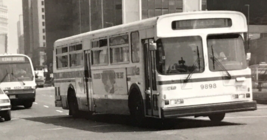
20, 35
3, 27
34, 30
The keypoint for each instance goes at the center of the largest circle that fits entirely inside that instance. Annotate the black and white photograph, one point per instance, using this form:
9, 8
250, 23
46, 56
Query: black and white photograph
133, 69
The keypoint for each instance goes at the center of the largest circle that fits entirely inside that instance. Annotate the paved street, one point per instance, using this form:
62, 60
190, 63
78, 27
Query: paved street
46, 122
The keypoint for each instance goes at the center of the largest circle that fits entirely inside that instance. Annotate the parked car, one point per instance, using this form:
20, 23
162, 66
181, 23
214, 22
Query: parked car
5, 106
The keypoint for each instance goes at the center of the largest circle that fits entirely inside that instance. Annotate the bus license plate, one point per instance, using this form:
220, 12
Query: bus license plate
12, 97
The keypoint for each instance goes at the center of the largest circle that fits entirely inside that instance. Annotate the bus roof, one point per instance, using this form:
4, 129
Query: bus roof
15, 55
150, 22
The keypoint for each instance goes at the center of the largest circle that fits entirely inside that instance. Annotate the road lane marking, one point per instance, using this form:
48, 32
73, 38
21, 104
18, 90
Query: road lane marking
59, 111
51, 96
261, 107
53, 129
35, 103
46, 106
245, 117
102, 125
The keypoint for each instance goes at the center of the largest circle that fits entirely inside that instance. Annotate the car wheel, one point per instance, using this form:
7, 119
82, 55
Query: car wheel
7, 115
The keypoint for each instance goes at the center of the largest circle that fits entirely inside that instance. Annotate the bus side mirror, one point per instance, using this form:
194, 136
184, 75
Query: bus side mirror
152, 46
248, 56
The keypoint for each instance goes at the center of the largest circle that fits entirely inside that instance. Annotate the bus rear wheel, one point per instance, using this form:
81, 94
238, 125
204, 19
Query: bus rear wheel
218, 117
137, 110
73, 106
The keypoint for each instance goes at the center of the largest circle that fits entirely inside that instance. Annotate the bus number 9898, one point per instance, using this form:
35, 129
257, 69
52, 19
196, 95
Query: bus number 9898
208, 86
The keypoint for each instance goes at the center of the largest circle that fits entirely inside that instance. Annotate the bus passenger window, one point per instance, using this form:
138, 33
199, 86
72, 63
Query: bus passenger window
62, 61
135, 44
76, 59
100, 57
103, 56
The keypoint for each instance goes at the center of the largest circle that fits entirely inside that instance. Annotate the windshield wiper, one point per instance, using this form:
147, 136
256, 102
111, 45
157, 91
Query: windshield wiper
4, 76
228, 74
189, 75
191, 72
17, 77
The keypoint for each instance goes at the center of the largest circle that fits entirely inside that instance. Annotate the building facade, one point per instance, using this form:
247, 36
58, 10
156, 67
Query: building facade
20, 35
34, 30
3, 27
69, 17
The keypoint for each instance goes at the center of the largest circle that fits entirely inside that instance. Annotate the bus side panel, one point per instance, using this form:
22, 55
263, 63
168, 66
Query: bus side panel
110, 91
81, 94
62, 91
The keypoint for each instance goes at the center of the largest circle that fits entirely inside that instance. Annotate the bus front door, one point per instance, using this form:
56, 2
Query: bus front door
88, 80
151, 98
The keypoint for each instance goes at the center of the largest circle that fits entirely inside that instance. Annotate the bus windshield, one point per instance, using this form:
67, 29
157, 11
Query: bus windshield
180, 55
226, 52
12, 72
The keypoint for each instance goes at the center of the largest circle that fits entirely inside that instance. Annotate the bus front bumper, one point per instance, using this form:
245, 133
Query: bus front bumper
204, 110
21, 96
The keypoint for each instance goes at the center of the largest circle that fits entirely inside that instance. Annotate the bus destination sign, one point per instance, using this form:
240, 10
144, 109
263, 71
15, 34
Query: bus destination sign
12, 59
201, 23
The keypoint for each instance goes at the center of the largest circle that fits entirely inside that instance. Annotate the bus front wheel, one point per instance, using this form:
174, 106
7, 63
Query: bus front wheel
137, 110
217, 117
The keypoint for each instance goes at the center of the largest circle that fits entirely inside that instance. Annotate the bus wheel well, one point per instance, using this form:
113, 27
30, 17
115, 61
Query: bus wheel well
71, 93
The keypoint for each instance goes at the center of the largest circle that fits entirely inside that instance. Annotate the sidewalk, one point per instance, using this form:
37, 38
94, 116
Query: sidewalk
260, 96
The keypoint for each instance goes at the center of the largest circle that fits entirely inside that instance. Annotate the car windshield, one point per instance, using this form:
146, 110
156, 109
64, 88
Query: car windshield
226, 51
180, 55
11, 72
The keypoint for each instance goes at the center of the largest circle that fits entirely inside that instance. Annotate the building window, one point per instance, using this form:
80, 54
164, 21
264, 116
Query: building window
43, 23
44, 37
42, 2
43, 30
44, 44
43, 16
42, 9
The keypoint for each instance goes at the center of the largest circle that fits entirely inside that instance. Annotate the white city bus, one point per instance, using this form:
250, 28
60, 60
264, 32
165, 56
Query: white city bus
17, 79
174, 65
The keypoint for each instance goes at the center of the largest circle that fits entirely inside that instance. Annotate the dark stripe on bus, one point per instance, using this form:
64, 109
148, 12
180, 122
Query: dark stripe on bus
201, 79
63, 80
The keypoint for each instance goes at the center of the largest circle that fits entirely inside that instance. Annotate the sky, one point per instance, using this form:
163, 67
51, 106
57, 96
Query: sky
14, 10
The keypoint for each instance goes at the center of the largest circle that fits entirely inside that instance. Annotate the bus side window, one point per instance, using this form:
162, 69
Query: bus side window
135, 44
103, 56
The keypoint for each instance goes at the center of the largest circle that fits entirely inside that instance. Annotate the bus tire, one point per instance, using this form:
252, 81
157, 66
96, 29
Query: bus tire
218, 117
73, 106
27, 105
136, 105
7, 115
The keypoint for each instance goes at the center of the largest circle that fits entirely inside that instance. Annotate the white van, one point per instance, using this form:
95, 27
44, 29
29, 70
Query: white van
5, 106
